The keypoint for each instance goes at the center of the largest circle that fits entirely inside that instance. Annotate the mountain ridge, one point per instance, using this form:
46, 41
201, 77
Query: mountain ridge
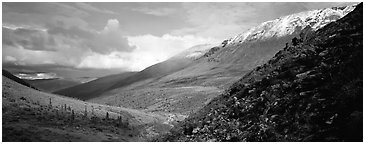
287, 25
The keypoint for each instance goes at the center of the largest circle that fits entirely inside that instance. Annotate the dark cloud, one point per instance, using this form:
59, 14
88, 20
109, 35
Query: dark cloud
56, 37
110, 39
89, 7
44, 8
28, 39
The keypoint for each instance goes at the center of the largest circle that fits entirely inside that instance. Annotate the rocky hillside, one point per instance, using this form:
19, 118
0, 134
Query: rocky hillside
309, 91
186, 90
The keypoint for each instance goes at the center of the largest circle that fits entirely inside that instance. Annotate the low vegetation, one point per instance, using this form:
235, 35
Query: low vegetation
32, 115
23, 122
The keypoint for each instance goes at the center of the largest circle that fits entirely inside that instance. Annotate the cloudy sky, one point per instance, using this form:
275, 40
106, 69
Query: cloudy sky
127, 36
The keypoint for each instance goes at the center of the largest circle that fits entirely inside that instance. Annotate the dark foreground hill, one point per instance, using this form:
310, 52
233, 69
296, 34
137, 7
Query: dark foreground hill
309, 91
16, 79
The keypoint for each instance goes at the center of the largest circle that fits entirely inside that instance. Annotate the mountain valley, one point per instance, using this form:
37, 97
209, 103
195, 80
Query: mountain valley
294, 78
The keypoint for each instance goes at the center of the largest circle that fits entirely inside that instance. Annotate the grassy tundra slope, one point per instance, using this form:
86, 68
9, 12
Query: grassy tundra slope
50, 85
93, 88
105, 84
31, 115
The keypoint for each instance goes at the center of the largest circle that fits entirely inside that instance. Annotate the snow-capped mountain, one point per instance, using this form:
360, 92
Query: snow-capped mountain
287, 25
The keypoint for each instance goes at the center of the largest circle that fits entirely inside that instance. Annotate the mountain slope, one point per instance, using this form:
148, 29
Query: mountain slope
93, 88
50, 85
187, 90
257, 45
97, 87
169, 66
309, 91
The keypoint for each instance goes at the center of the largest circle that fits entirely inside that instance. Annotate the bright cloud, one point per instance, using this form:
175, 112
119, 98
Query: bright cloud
112, 60
153, 49
110, 39
150, 50
9, 59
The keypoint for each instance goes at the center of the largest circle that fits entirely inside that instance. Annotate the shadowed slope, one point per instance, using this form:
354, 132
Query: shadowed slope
93, 88
51, 85
16, 79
